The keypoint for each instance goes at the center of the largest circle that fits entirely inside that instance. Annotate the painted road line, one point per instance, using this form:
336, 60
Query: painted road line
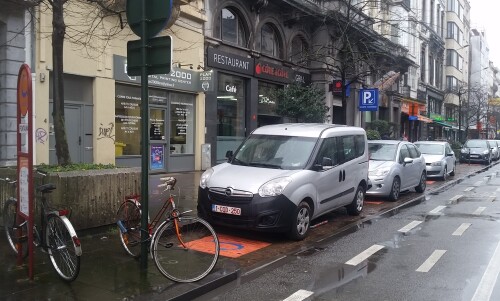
479, 210
460, 230
457, 196
364, 255
437, 209
431, 261
299, 295
469, 188
410, 226
498, 189
487, 283
478, 183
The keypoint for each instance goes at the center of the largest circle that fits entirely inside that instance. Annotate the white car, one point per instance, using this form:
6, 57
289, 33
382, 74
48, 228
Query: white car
440, 159
495, 152
395, 166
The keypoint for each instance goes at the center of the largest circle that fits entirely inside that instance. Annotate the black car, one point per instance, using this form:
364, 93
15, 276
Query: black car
476, 150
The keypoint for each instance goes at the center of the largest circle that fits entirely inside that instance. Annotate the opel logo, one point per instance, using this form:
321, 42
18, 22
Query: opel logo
228, 191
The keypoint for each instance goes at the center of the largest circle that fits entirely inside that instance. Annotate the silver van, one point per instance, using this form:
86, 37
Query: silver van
285, 175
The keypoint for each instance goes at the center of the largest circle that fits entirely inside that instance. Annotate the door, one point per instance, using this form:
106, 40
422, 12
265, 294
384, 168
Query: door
331, 184
78, 136
158, 138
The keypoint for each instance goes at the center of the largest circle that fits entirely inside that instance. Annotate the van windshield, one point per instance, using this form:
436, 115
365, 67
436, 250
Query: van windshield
280, 152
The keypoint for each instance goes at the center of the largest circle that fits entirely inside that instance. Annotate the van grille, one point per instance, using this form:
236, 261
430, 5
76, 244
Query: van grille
229, 195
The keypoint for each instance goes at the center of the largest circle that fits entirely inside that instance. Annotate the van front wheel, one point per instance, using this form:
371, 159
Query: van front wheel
356, 206
301, 222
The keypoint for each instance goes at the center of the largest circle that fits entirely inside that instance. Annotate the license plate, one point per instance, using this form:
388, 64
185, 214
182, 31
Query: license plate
474, 156
226, 209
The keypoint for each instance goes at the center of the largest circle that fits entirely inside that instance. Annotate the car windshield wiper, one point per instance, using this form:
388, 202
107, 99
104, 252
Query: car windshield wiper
239, 162
258, 164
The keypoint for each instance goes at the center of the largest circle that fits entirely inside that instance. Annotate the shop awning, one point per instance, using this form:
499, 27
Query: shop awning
442, 123
424, 119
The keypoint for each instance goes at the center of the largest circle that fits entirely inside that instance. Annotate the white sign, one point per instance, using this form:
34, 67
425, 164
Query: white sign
24, 191
23, 128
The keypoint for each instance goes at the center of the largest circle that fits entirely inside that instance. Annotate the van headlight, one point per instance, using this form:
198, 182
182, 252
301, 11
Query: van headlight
205, 177
274, 187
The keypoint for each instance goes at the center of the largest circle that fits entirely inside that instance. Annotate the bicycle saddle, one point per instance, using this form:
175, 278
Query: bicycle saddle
46, 188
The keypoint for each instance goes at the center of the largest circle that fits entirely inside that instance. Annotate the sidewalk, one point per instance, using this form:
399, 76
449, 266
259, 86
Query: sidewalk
107, 273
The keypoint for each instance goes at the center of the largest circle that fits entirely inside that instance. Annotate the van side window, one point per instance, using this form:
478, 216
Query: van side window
359, 141
328, 150
347, 149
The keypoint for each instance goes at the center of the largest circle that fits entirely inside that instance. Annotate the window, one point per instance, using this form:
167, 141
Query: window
454, 59
328, 150
270, 41
232, 29
403, 153
413, 151
422, 64
451, 83
181, 123
299, 51
453, 32
348, 149
360, 145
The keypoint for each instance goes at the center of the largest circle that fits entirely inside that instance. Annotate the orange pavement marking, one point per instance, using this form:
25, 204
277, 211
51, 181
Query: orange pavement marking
374, 202
230, 246
430, 182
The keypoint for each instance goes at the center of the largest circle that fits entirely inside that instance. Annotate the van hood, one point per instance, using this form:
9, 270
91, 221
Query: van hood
245, 178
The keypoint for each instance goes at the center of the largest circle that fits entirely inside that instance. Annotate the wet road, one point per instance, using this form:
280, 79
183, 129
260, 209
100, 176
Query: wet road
441, 247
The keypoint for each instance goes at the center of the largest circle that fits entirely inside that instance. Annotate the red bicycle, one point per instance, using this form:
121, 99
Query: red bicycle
184, 248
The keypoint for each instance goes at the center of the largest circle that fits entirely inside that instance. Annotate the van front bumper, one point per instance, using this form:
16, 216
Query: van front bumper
273, 214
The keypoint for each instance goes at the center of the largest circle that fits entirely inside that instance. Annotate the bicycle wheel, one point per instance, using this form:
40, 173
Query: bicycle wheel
188, 257
129, 224
9, 222
63, 247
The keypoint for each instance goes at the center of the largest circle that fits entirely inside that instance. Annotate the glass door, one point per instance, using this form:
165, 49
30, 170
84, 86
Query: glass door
157, 138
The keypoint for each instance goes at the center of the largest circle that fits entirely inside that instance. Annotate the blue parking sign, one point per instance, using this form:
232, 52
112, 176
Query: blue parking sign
368, 99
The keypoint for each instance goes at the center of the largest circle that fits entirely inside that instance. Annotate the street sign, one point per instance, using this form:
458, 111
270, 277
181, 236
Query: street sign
155, 17
368, 99
159, 56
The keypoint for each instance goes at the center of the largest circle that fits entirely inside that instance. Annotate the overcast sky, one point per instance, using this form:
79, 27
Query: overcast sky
485, 14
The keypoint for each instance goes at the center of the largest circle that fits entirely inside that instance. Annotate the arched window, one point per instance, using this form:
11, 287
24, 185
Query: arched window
299, 51
270, 41
232, 29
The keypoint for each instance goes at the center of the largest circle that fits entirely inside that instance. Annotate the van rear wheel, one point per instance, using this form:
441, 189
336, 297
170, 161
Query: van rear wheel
301, 222
356, 206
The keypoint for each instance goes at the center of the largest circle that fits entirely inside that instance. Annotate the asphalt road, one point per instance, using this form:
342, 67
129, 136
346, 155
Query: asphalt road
442, 246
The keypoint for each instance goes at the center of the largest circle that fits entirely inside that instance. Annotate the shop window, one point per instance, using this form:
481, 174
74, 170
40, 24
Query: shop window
270, 41
266, 106
232, 29
230, 114
181, 123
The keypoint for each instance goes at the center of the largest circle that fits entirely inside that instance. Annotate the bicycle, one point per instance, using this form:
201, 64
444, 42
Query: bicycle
55, 236
184, 248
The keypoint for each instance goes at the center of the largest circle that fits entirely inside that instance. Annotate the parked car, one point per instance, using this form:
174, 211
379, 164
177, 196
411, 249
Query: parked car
439, 158
476, 150
495, 152
283, 176
395, 166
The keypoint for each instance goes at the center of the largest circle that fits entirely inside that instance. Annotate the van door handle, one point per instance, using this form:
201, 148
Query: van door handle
343, 175
340, 176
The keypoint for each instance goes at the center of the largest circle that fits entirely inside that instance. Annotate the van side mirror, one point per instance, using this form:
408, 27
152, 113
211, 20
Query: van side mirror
229, 155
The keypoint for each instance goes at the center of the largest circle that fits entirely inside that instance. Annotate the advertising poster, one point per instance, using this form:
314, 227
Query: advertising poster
157, 157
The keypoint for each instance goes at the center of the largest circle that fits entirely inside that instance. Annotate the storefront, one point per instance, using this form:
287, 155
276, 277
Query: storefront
172, 111
241, 102
412, 122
